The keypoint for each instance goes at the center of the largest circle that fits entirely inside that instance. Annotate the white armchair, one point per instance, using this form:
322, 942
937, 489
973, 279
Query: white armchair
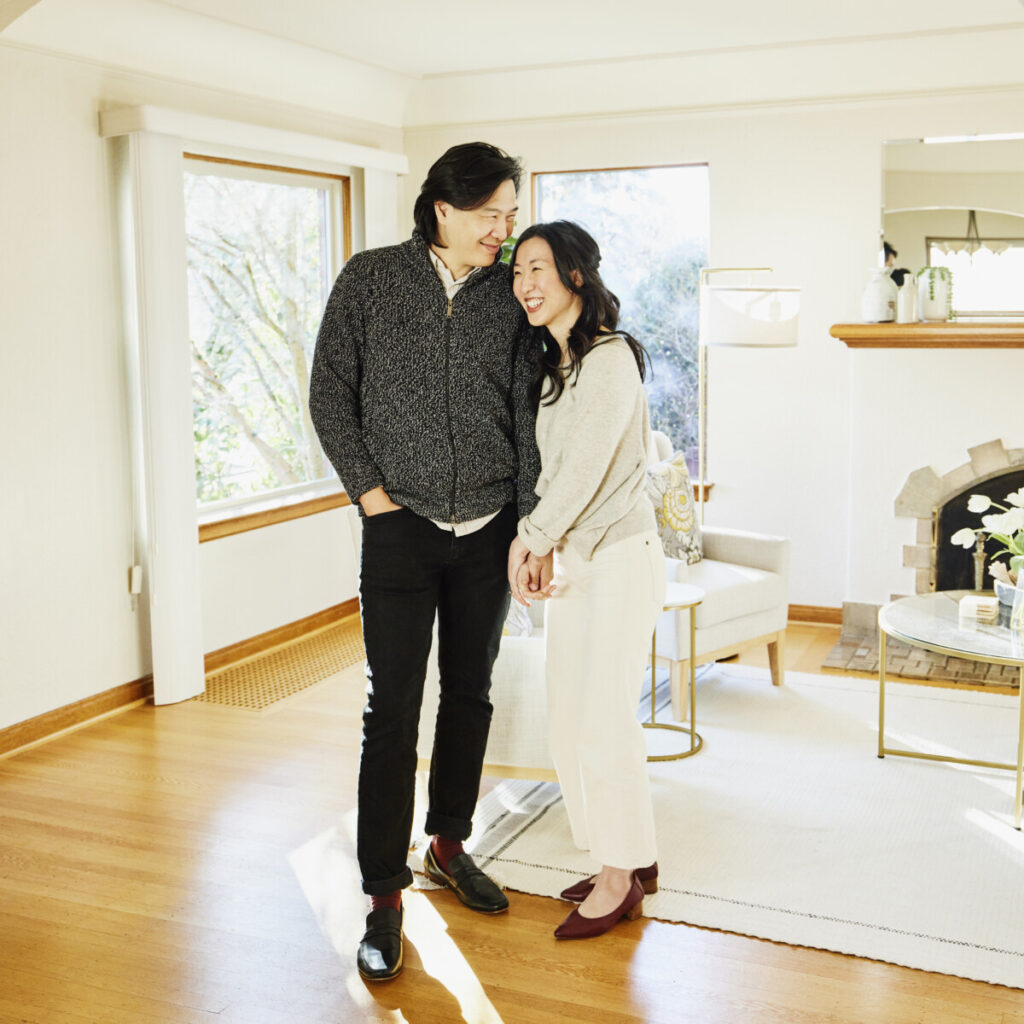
745, 578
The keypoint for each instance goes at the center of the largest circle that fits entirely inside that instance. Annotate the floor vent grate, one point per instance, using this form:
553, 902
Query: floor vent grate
265, 679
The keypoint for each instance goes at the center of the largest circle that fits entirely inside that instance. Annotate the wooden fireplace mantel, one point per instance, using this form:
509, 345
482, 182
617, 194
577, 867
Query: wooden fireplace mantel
948, 334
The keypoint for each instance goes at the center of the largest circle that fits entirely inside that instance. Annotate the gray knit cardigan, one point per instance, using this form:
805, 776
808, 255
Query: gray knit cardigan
426, 398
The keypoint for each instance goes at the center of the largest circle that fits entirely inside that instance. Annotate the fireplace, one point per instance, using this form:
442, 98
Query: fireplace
939, 504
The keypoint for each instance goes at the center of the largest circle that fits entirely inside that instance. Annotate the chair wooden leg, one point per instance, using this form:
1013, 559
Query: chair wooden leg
679, 687
777, 658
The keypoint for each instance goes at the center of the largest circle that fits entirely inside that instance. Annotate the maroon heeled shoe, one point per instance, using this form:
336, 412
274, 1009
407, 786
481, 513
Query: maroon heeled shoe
579, 891
576, 926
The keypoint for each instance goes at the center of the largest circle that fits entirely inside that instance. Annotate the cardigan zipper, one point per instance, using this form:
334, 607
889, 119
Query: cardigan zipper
448, 407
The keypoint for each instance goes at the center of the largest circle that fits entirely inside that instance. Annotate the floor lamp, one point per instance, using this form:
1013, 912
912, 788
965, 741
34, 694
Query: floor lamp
750, 316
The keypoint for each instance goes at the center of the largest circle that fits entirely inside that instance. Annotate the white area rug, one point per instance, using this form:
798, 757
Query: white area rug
787, 826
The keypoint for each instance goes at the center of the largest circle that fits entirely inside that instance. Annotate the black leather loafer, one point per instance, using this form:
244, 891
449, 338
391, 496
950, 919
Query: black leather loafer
380, 951
467, 881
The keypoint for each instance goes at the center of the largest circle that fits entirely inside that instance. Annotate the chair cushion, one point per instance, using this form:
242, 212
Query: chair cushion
671, 493
731, 591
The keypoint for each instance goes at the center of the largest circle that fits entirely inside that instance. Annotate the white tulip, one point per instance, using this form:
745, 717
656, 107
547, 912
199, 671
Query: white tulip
965, 537
1017, 498
979, 503
1006, 523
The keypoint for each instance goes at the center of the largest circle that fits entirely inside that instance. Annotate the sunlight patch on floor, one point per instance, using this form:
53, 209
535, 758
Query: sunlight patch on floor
1001, 826
442, 960
329, 878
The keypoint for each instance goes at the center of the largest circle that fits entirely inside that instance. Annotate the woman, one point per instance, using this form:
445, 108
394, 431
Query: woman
594, 514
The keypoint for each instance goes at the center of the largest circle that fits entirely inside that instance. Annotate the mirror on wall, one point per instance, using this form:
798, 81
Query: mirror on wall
960, 204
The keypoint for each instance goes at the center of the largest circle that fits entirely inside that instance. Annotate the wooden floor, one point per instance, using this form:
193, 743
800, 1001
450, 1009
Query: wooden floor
167, 865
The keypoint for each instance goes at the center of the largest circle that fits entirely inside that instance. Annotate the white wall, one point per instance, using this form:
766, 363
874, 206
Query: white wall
813, 442
68, 627
253, 582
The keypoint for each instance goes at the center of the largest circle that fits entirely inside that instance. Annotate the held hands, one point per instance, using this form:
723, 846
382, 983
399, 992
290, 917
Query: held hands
529, 576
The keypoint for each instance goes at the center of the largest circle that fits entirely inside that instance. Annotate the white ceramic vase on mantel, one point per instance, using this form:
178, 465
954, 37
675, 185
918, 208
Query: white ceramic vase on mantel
878, 301
906, 302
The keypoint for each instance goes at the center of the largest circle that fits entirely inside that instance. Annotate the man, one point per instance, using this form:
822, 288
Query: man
419, 394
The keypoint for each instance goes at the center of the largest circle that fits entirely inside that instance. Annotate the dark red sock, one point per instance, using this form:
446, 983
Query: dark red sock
445, 849
389, 899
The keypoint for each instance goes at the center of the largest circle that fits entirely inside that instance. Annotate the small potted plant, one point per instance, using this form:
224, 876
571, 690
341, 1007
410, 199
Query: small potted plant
1005, 526
935, 293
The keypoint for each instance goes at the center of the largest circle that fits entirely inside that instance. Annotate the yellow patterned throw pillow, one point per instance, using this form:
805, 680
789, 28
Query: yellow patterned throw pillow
670, 490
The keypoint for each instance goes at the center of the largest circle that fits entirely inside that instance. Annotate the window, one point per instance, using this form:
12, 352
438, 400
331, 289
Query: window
263, 247
652, 226
988, 274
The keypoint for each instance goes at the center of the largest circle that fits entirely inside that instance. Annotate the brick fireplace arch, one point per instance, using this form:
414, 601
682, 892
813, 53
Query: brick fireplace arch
925, 492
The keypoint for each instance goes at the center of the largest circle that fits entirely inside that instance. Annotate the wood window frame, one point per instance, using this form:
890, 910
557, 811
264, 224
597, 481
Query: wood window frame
228, 526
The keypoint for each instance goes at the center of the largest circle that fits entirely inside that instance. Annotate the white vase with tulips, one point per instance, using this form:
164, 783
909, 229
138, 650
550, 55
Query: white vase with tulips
1006, 526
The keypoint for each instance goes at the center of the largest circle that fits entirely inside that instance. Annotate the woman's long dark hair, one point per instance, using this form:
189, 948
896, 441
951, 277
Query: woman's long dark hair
574, 251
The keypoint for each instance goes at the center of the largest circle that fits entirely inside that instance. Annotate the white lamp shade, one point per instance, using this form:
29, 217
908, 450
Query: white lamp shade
749, 317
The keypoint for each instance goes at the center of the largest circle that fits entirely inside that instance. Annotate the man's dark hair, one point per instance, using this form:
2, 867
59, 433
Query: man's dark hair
466, 177
888, 250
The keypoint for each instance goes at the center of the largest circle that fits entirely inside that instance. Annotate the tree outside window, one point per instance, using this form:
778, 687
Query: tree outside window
263, 248
652, 226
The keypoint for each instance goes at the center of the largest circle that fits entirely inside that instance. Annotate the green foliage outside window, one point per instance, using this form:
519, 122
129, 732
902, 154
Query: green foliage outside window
258, 277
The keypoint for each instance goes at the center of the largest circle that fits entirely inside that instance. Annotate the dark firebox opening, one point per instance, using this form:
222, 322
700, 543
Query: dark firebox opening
954, 567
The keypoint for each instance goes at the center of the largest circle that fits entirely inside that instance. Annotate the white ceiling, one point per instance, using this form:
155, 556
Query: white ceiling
428, 38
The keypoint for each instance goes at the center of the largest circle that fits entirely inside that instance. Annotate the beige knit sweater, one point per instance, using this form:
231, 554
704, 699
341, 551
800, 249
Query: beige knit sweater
593, 453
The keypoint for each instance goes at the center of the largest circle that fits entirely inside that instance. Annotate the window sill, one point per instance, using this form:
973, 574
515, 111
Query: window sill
281, 513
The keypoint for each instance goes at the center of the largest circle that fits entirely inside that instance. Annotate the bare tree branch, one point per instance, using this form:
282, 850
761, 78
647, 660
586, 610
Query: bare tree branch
220, 396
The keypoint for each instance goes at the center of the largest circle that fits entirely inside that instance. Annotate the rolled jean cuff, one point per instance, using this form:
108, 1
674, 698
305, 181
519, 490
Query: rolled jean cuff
456, 829
381, 888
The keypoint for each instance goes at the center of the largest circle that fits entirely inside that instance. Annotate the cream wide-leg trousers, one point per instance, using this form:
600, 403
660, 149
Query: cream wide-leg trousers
597, 638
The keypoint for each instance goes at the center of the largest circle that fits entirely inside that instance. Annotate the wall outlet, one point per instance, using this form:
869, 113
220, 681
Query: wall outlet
135, 579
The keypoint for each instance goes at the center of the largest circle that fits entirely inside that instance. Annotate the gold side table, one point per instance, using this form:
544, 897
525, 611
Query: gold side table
678, 596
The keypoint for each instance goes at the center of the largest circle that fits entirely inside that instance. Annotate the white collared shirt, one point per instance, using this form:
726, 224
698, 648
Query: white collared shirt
451, 285
451, 289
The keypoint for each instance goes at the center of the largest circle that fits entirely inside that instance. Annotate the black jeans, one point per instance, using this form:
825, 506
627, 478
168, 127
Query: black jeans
410, 570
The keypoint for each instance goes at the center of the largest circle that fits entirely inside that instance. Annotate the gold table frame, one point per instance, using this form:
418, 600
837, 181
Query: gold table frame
958, 652
687, 596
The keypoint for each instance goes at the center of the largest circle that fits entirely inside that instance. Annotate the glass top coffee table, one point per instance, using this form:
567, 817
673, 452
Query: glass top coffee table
932, 622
